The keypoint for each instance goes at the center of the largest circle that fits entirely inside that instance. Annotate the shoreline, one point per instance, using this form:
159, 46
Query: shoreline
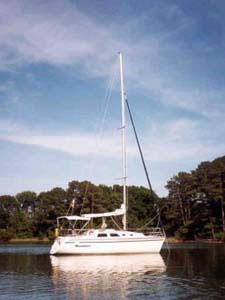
169, 240
29, 240
172, 240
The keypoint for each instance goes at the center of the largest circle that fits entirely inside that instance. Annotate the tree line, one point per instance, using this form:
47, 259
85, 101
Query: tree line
28, 215
195, 203
193, 209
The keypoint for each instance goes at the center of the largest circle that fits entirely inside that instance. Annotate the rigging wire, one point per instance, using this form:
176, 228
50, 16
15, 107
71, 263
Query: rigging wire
99, 128
114, 221
139, 146
144, 165
146, 173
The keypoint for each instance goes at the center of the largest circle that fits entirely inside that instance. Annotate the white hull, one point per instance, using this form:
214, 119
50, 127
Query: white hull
81, 246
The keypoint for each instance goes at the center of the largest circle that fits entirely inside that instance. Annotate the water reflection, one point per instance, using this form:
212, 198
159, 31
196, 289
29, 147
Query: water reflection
196, 260
195, 271
186, 271
87, 277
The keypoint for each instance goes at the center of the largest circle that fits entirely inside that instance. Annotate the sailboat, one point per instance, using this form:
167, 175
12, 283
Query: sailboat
103, 240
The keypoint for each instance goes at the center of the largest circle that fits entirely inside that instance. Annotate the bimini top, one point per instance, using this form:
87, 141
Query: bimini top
118, 212
74, 218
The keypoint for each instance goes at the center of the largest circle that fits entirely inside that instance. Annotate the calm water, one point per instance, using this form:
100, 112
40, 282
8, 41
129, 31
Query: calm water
186, 271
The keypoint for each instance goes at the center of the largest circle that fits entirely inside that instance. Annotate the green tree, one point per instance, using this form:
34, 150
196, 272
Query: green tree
50, 205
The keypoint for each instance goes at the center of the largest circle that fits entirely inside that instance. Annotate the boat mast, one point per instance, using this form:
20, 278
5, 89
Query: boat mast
123, 127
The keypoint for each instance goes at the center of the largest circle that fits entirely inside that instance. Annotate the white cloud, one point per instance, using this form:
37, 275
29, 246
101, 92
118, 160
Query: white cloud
80, 144
51, 33
60, 34
168, 147
182, 140
159, 62
169, 141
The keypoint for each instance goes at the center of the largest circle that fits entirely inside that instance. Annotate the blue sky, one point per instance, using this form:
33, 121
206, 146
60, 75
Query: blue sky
59, 65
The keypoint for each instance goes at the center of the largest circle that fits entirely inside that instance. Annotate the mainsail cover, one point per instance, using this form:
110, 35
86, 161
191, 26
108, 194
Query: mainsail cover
118, 212
74, 218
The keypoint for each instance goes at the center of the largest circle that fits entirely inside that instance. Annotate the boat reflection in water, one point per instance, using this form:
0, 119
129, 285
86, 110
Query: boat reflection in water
105, 277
